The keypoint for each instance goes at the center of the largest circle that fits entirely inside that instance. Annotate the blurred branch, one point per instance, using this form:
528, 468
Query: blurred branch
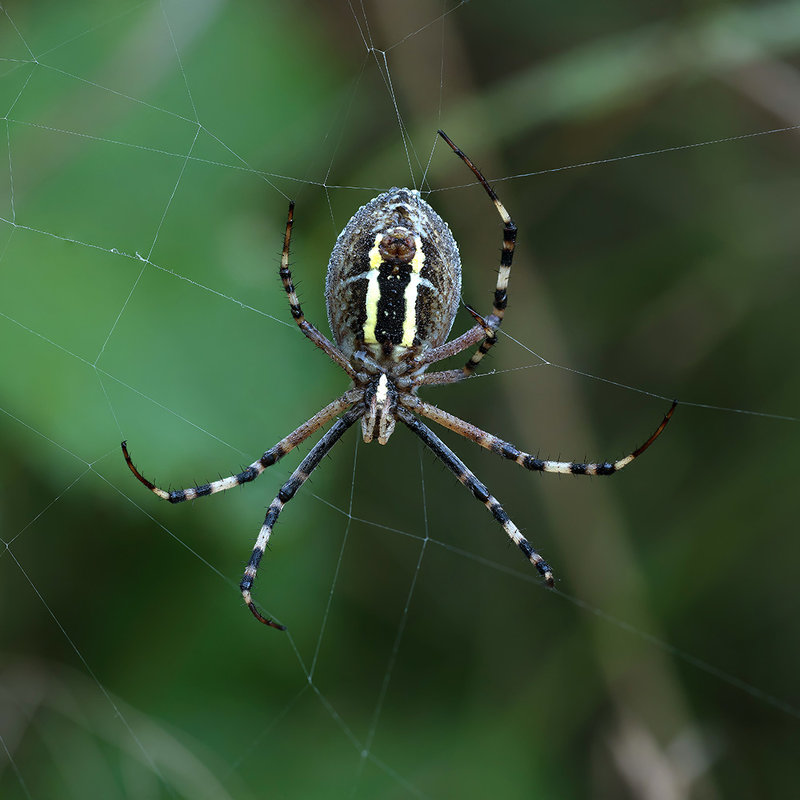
609, 74
772, 84
602, 76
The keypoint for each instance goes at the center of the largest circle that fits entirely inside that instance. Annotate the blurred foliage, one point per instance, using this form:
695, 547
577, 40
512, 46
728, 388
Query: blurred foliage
151, 151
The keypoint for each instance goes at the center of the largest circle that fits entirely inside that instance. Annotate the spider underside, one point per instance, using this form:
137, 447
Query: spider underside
392, 292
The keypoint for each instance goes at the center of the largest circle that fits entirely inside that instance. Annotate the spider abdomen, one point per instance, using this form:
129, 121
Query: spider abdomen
394, 278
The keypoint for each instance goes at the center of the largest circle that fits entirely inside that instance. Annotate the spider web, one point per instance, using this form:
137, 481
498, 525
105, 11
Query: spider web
152, 148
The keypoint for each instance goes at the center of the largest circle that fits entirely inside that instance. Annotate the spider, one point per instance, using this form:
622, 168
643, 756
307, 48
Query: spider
392, 291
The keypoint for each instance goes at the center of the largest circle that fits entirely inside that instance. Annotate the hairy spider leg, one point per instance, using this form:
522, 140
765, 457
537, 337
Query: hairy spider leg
286, 493
494, 443
250, 473
311, 331
478, 490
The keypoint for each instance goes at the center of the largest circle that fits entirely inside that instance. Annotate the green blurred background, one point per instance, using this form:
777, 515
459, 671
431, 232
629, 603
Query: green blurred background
151, 151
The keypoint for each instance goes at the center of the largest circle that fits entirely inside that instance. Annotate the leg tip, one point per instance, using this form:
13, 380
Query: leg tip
262, 619
547, 573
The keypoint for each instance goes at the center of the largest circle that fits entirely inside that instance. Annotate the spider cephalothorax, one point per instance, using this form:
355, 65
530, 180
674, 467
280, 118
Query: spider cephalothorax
392, 291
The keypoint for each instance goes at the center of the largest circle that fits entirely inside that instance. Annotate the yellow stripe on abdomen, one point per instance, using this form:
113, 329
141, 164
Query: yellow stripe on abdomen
373, 292
410, 296
410, 320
